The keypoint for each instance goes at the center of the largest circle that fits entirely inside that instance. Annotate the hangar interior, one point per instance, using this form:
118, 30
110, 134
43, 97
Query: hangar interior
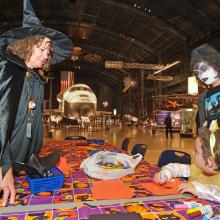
140, 35
134, 57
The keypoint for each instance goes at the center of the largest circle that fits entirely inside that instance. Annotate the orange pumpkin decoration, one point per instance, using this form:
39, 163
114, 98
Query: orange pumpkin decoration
82, 185
137, 209
44, 194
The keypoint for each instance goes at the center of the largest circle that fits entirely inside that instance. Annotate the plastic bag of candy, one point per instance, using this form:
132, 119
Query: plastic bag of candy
110, 165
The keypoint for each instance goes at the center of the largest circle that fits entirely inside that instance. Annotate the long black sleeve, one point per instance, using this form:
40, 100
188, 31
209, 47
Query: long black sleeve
11, 82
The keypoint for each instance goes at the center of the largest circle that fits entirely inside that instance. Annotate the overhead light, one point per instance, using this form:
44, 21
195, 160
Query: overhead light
167, 67
105, 104
114, 111
192, 85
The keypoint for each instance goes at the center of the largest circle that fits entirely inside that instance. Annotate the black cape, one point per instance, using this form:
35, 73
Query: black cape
16, 90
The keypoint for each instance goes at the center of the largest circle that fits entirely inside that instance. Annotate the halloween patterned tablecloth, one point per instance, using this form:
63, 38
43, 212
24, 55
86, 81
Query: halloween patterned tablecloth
77, 188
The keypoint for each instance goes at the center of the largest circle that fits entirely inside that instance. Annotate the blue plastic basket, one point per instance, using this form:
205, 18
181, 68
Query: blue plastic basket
47, 184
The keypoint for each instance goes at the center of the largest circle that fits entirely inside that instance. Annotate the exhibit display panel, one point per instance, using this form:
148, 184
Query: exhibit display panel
187, 122
175, 115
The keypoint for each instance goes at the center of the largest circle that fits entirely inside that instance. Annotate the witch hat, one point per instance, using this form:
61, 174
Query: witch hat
62, 45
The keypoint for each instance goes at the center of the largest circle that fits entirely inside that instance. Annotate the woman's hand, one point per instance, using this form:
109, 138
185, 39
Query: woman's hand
160, 177
8, 187
187, 187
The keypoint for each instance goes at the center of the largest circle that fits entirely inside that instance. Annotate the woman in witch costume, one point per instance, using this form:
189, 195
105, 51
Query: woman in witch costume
24, 51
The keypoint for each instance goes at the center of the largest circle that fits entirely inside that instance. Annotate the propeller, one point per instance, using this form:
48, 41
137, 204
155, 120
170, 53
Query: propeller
160, 78
167, 67
163, 78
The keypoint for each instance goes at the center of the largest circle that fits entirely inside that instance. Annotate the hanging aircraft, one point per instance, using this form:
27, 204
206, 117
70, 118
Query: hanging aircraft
77, 101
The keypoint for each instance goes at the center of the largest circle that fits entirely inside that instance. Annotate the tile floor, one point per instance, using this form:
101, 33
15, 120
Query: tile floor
115, 135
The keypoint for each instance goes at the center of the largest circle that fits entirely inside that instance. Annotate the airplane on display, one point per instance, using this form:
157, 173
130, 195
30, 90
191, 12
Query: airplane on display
77, 101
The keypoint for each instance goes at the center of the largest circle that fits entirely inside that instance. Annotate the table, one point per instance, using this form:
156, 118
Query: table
75, 200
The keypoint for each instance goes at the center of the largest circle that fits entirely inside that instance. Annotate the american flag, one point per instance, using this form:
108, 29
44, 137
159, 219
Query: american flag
67, 80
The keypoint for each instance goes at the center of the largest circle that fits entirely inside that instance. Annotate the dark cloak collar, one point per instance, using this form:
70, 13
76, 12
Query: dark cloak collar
19, 62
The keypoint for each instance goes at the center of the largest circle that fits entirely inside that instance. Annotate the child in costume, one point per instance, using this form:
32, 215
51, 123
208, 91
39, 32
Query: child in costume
204, 174
205, 62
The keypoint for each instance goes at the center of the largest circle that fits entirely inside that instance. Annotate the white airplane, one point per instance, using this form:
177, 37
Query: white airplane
77, 101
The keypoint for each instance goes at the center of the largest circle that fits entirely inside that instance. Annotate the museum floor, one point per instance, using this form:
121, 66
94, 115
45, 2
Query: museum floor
156, 142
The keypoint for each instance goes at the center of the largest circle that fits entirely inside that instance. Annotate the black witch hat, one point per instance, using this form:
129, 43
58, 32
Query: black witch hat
62, 45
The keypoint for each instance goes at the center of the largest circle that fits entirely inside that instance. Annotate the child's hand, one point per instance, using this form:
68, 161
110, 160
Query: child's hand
160, 177
187, 187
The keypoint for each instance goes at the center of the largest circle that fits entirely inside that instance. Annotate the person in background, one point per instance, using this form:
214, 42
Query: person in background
205, 63
24, 53
168, 125
204, 174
